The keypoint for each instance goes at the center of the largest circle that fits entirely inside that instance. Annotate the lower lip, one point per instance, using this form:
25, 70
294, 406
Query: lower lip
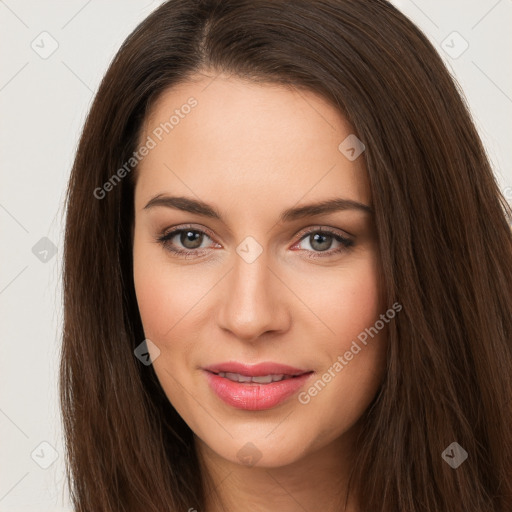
252, 396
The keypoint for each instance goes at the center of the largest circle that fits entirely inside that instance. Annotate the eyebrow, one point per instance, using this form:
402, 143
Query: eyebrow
198, 207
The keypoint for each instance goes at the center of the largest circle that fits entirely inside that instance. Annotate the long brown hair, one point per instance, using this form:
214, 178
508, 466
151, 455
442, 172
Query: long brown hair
444, 238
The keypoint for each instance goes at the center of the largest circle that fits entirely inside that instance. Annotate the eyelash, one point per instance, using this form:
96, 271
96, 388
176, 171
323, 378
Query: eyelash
164, 239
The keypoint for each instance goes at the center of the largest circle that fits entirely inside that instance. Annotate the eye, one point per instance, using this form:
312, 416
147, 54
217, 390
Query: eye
191, 241
188, 242
320, 241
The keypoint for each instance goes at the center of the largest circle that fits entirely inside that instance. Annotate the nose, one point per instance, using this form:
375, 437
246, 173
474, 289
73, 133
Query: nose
254, 300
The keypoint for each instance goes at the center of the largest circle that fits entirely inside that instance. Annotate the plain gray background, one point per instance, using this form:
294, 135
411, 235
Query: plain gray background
44, 100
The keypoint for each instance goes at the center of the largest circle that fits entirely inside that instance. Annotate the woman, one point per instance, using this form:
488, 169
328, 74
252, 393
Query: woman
287, 272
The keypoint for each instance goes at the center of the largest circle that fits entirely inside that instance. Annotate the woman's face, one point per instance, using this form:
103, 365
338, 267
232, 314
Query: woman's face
261, 278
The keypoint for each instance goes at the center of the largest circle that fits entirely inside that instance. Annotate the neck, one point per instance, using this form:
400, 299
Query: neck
317, 480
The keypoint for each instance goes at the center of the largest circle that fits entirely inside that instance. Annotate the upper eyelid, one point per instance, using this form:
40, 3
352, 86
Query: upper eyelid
173, 231
327, 229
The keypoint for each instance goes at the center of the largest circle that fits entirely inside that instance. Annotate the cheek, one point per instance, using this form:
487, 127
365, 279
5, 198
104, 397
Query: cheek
166, 295
358, 340
360, 303
153, 290
346, 300
353, 352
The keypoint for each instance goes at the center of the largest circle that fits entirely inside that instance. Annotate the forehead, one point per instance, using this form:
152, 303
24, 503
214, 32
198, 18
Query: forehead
239, 139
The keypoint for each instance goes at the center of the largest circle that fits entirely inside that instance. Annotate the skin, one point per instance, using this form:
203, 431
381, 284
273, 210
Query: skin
252, 151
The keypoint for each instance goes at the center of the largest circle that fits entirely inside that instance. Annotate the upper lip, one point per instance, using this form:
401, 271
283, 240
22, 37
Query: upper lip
256, 370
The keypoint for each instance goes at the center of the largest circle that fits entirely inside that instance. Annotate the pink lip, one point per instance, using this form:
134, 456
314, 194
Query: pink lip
253, 396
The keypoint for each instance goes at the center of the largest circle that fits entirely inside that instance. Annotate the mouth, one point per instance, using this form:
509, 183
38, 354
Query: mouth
266, 369
257, 387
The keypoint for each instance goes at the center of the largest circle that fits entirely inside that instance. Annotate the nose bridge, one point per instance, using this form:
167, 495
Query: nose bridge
252, 305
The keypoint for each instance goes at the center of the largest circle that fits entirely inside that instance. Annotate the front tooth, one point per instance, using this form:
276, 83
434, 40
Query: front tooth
233, 376
266, 379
